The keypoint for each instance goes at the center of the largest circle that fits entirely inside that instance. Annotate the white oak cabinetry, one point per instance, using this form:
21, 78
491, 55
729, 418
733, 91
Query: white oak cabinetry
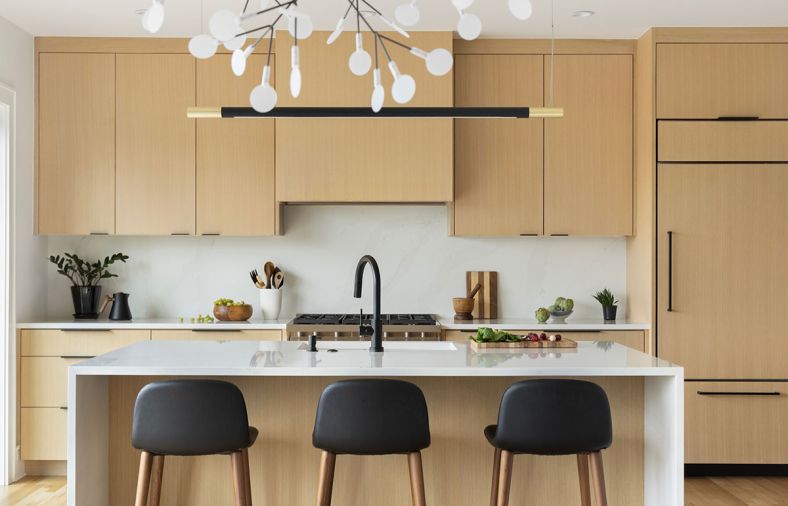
218, 335
721, 176
567, 176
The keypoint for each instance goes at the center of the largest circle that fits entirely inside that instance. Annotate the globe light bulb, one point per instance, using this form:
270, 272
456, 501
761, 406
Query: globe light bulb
521, 9
300, 25
404, 86
203, 46
439, 61
295, 72
224, 25
462, 4
263, 97
153, 19
469, 26
236, 43
407, 14
378, 92
239, 59
359, 61
337, 31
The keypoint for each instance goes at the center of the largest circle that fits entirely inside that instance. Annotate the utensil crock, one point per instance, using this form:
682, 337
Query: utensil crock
270, 303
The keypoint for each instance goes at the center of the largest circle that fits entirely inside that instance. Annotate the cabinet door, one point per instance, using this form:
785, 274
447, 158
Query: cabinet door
235, 159
588, 153
498, 162
727, 288
362, 160
713, 80
156, 144
76, 144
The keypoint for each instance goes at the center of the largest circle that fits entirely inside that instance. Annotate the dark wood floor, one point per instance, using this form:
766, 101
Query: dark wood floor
739, 491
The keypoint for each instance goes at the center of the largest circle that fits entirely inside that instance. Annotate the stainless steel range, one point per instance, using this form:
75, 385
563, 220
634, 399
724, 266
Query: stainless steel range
345, 327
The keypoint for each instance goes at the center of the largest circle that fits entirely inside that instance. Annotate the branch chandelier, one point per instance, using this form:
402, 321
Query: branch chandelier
233, 30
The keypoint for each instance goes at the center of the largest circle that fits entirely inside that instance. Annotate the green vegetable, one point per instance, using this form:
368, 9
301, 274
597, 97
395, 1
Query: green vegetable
542, 315
569, 305
488, 335
228, 302
560, 302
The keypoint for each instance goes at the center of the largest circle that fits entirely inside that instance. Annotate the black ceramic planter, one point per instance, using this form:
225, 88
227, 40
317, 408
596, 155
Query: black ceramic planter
610, 313
86, 301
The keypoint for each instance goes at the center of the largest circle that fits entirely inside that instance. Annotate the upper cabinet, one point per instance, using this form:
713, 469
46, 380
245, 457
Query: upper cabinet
155, 181
76, 144
716, 80
362, 160
498, 167
235, 158
588, 153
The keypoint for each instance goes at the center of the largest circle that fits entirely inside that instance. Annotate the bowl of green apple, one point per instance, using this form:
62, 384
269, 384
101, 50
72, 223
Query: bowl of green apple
560, 310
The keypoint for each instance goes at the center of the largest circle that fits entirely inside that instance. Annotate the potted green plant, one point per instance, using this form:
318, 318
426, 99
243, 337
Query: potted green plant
609, 304
85, 277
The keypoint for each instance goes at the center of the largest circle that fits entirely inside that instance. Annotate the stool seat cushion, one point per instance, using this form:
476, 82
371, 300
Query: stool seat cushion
371, 417
552, 417
191, 417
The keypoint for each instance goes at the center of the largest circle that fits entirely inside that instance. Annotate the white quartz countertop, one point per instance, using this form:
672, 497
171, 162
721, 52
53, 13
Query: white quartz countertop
270, 358
445, 323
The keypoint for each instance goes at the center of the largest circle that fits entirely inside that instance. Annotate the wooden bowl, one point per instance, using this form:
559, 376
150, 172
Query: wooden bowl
463, 307
233, 313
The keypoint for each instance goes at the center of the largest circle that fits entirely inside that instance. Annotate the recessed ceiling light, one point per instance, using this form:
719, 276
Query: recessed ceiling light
583, 14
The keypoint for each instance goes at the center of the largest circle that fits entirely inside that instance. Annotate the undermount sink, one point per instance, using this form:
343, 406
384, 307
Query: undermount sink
387, 345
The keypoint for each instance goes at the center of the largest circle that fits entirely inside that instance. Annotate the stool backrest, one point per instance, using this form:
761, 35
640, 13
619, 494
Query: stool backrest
554, 416
190, 417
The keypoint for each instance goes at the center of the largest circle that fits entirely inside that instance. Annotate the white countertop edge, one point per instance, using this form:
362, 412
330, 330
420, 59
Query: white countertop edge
531, 325
376, 372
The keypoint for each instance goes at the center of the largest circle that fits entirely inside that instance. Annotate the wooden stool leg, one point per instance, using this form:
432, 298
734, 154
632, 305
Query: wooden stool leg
326, 483
247, 478
157, 473
416, 479
585, 485
236, 459
598, 475
505, 479
143, 479
496, 472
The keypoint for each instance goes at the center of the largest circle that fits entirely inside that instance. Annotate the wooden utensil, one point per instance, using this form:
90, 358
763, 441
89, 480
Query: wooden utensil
475, 290
256, 279
279, 279
268, 270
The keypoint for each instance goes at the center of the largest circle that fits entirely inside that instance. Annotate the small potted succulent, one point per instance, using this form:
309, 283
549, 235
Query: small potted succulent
85, 277
609, 304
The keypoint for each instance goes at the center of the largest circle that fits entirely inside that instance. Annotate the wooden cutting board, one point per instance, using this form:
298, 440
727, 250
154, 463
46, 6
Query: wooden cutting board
563, 343
486, 305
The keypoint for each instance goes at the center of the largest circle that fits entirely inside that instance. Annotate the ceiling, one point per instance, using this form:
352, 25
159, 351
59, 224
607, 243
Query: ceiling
613, 19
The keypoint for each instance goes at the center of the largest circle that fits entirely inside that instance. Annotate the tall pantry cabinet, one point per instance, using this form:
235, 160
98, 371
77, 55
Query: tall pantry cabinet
721, 232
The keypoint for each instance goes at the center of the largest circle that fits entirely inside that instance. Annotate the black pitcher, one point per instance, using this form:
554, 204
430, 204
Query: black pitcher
120, 309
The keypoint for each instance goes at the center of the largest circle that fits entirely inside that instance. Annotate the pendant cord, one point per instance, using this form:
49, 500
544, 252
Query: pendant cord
377, 65
270, 44
552, 51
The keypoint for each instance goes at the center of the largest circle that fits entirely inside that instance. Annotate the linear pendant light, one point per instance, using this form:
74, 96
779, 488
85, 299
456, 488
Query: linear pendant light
366, 112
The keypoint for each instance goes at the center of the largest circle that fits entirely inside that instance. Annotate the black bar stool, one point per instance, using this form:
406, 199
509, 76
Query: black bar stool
190, 418
552, 417
371, 417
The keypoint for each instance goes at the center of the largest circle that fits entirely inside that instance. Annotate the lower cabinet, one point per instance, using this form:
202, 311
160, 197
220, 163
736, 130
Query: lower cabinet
735, 422
218, 335
635, 339
45, 356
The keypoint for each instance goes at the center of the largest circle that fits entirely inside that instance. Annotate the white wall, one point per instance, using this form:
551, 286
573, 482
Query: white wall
17, 69
422, 267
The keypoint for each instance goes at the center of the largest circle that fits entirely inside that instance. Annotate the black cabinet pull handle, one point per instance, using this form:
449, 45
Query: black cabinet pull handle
99, 233
85, 330
670, 270
72, 357
758, 394
528, 235
180, 233
211, 233
216, 330
64, 408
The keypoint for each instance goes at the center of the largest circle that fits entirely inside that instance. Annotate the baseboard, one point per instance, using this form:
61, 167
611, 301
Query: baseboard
735, 470
45, 467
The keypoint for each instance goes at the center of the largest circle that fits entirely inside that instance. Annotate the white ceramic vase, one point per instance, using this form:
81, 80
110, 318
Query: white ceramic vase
270, 303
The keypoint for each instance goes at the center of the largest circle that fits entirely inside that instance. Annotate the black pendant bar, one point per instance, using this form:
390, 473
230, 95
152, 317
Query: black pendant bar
388, 112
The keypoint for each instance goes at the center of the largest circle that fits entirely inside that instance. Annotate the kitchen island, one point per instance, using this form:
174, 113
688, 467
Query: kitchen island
282, 382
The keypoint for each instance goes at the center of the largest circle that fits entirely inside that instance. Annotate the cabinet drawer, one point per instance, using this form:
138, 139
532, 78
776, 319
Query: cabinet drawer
43, 432
736, 422
58, 343
219, 335
635, 339
713, 80
723, 141
43, 381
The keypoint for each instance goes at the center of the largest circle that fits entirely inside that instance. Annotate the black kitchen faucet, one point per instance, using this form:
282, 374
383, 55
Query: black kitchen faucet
376, 330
